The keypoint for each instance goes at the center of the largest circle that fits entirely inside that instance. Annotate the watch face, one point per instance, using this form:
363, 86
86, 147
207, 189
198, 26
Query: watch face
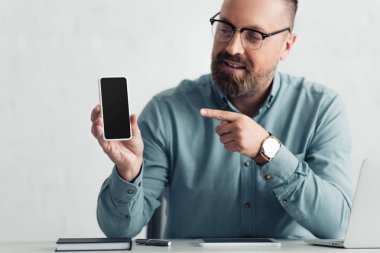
271, 147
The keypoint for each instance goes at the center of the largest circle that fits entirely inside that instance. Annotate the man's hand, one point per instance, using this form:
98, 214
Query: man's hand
127, 155
238, 132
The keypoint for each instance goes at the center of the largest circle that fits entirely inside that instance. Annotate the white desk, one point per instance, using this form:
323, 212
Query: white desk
181, 246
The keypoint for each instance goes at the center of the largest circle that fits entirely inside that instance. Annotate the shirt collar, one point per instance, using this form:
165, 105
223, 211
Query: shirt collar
274, 89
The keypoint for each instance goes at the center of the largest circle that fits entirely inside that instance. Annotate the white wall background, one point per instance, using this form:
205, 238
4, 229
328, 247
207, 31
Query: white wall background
52, 53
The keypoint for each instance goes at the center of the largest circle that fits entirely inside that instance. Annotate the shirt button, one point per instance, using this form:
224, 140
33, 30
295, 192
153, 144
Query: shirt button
268, 177
247, 163
130, 191
126, 216
247, 205
285, 201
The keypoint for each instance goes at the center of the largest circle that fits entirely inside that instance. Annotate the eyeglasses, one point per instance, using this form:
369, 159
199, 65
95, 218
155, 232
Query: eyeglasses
253, 39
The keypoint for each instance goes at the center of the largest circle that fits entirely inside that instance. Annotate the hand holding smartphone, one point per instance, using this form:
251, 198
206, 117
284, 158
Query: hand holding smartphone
117, 133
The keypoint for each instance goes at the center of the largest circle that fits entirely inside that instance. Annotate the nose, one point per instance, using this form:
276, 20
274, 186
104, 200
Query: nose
235, 46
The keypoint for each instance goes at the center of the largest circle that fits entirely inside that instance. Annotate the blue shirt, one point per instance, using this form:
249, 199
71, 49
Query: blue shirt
212, 192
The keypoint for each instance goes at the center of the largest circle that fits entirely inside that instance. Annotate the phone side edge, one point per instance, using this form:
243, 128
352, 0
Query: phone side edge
101, 105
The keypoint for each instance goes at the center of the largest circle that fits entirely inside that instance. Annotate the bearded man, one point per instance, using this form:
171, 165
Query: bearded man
245, 151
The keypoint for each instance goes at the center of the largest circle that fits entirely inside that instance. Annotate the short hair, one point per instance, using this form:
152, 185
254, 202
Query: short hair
292, 5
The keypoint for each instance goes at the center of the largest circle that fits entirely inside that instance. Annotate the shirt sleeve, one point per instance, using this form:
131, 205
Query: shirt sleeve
315, 187
125, 208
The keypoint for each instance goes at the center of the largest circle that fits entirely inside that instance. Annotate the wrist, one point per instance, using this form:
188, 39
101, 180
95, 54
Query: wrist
269, 148
131, 172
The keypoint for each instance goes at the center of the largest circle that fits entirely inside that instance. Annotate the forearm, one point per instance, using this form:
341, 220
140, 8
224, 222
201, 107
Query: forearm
120, 209
318, 201
317, 204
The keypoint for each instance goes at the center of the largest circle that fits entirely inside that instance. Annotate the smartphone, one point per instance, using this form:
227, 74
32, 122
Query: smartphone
115, 108
243, 242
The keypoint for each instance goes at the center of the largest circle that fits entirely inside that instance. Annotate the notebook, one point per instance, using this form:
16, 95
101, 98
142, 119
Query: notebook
87, 244
364, 223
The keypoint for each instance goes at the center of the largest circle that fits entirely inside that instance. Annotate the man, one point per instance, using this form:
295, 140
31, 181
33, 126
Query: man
269, 157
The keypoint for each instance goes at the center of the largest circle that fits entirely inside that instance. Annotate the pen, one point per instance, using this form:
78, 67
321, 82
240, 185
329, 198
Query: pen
153, 242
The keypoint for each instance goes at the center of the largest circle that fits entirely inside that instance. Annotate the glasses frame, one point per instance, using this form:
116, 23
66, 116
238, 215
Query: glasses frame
241, 30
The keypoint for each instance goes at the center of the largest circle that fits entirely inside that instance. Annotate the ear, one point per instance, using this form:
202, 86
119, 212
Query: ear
288, 44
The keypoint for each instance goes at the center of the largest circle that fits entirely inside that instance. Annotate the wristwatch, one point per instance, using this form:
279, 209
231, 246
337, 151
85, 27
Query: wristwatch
269, 149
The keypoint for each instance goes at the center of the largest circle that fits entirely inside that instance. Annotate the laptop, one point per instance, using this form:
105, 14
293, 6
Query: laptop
364, 223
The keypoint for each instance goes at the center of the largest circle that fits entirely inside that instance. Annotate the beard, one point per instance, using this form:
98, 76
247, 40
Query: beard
238, 85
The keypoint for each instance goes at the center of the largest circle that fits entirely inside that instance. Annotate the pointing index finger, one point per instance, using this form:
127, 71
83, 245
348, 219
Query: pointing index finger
219, 114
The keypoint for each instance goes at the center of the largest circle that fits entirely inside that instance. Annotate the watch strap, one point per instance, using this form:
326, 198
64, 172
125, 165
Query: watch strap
261, 159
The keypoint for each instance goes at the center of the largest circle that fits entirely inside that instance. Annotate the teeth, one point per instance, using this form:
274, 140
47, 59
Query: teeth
235, 65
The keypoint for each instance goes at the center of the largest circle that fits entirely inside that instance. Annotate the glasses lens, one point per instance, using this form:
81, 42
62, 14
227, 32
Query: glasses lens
221, 31
251, 39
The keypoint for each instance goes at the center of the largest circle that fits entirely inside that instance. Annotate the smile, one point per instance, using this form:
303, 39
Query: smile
234, 65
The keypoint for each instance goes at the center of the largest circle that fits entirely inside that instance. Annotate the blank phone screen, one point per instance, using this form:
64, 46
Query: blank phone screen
115, 109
